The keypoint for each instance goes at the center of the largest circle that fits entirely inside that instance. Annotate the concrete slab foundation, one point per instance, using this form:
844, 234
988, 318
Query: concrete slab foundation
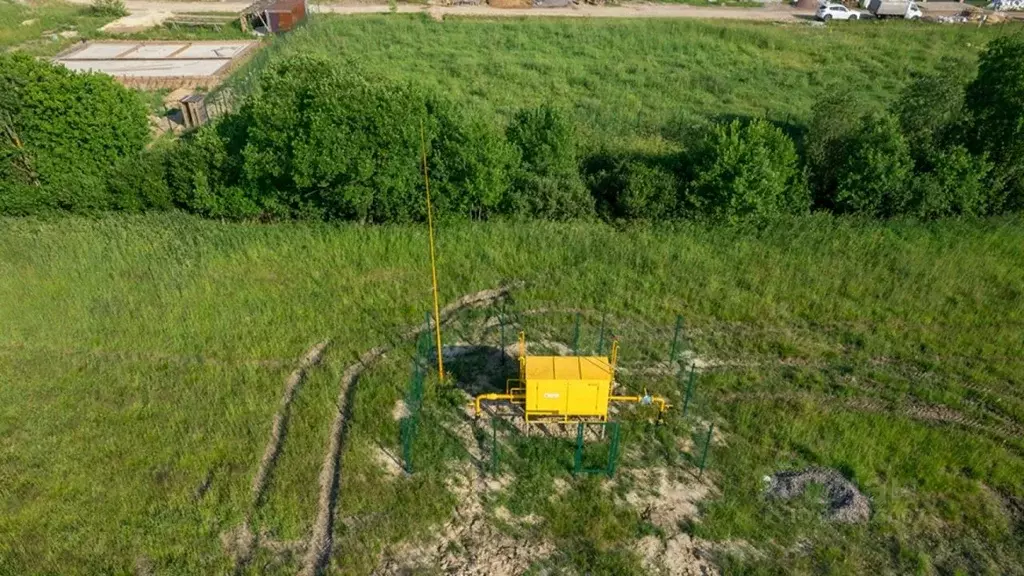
160, 64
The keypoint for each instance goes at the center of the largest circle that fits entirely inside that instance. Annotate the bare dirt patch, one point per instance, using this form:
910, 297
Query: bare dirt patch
400, 411
468, 544
666, 497
679, 555
387, 462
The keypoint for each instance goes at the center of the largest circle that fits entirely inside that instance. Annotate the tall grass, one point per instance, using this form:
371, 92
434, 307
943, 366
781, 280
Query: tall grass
630, 82
142, 355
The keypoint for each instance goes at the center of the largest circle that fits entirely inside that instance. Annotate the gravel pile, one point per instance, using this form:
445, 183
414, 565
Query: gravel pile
845, 503
1004, 5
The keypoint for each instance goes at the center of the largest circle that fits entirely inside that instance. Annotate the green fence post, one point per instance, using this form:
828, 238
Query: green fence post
578, 458
424, 345
494, 448
613, 450
576, 336
689, 388
707, 445
501, 323
406, 464
600, 338
675, 339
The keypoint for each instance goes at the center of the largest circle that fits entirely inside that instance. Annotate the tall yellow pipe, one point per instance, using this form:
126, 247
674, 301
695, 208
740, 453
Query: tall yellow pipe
433, 264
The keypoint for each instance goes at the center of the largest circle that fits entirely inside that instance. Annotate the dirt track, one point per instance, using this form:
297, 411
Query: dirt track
771, 13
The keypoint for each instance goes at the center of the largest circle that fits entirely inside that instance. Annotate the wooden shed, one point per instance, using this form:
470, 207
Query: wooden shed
274, 15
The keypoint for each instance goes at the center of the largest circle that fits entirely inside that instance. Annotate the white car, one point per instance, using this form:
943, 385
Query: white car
828, 12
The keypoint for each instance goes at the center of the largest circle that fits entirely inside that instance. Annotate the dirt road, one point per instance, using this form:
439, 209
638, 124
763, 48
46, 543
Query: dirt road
774, 13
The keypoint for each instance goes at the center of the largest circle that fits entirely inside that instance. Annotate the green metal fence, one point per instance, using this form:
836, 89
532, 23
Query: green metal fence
414, 396
612, 430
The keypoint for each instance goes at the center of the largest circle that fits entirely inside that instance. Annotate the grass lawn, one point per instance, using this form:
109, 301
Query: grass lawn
142, 360
633, 83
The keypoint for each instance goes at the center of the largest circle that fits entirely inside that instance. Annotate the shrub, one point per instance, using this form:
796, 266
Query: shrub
203, 175
828, 134
957, 185
471, 164
930, 112
324, 141
875, 175
995, 100
62, 134
746, 171
139, 183
635, 190
109, 8
547, 183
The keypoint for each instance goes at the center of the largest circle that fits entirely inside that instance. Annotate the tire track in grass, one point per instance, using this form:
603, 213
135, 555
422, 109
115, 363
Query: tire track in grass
242, 541
935, 413
278, 428
318, 551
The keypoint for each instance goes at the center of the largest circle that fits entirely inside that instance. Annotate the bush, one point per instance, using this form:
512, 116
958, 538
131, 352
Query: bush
109, 8
635, 190
957, 185
828, 134
547, 183
204, 172
62, 134
930, 112
471, 164
746, 171
318, 140
995, 100
874, 177
139, 183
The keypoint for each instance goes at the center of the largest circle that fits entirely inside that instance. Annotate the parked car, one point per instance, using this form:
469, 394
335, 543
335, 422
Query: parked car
828, 12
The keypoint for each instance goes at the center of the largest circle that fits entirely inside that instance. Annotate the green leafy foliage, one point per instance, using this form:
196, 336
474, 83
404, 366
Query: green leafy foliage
548, 182
203, 172
828, 133
633, 189
957, 184
874, 175
109, 8
471, 164
318, 140
995, 99
746, 171
139, 184
62, 134
930, 112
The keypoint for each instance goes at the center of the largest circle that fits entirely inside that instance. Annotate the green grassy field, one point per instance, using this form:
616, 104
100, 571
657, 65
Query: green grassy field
142, 360
633, 83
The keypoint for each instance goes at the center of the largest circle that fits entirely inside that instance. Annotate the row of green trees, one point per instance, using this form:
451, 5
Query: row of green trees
321, 141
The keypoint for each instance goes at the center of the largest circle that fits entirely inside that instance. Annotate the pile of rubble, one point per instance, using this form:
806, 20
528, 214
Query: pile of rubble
1006, 5
845, 502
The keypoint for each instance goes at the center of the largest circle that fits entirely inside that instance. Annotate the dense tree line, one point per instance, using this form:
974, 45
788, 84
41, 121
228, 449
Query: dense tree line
320, 141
